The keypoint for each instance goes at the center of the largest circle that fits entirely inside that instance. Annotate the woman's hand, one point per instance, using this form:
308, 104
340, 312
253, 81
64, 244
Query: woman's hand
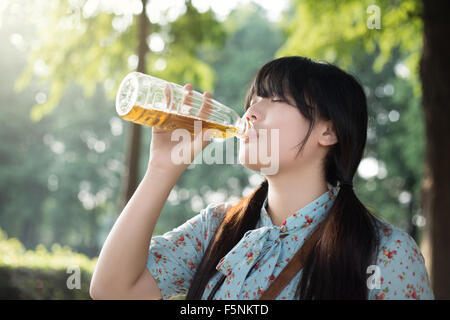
161, 146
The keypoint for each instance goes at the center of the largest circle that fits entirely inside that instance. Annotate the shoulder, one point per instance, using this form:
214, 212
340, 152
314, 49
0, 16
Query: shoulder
394, 241
403, 274
213, 214
217, 210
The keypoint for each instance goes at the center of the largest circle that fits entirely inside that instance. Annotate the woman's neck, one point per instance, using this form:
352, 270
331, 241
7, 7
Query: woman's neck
291, 191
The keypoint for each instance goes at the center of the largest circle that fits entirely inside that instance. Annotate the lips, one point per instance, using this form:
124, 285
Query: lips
252, 134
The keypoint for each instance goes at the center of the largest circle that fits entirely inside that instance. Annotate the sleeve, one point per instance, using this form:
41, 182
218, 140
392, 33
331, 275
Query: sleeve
174, 256
402, 271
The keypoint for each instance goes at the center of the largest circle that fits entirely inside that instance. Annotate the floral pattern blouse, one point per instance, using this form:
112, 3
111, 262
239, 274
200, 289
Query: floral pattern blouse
258, 258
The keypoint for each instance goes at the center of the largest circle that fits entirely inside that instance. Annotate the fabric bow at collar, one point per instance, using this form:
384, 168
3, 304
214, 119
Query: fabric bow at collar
264, 243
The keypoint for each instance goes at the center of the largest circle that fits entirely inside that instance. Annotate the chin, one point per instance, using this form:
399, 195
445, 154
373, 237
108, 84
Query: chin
243, 160
258, 167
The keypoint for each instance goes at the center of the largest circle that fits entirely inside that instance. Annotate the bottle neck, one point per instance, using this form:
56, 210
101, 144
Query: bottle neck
243, 126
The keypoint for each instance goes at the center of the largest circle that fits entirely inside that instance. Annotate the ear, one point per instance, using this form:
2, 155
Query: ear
327, 134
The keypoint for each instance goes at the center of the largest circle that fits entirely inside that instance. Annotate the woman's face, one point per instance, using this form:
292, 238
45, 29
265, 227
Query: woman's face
279, 128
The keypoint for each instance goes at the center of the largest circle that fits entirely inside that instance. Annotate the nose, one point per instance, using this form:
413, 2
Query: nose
251, 117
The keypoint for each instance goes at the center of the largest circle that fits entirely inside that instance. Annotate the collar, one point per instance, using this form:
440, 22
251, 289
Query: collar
307, 217
265, 241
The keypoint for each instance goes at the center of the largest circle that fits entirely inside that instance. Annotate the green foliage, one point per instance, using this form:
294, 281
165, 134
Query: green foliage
88, 50
50, 166
41, 274
258, 40
334, 31
14, 254
79, 58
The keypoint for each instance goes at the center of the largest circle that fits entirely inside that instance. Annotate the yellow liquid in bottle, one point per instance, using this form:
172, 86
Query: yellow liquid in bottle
171, 121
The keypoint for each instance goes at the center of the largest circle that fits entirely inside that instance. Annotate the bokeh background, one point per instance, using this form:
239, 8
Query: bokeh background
69, 164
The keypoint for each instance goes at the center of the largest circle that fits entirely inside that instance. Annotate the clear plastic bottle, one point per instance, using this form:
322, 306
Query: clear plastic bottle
154, 102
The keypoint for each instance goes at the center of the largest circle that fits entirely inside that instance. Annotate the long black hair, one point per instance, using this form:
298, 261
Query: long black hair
336, 267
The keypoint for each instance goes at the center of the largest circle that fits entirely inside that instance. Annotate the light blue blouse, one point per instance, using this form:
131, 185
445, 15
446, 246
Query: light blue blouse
258, 258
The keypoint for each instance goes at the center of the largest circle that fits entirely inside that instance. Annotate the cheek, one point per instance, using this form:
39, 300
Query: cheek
287, 147
291, 134
283, 133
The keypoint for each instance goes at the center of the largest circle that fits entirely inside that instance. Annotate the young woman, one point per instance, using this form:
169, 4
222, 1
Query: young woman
236, 251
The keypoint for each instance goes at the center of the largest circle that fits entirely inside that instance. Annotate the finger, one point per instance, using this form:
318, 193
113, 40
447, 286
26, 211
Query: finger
187, 95
206, 108
168, 96
205, 112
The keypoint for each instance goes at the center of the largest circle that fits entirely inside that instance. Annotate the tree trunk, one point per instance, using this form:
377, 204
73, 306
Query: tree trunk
133, 144
435, 77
